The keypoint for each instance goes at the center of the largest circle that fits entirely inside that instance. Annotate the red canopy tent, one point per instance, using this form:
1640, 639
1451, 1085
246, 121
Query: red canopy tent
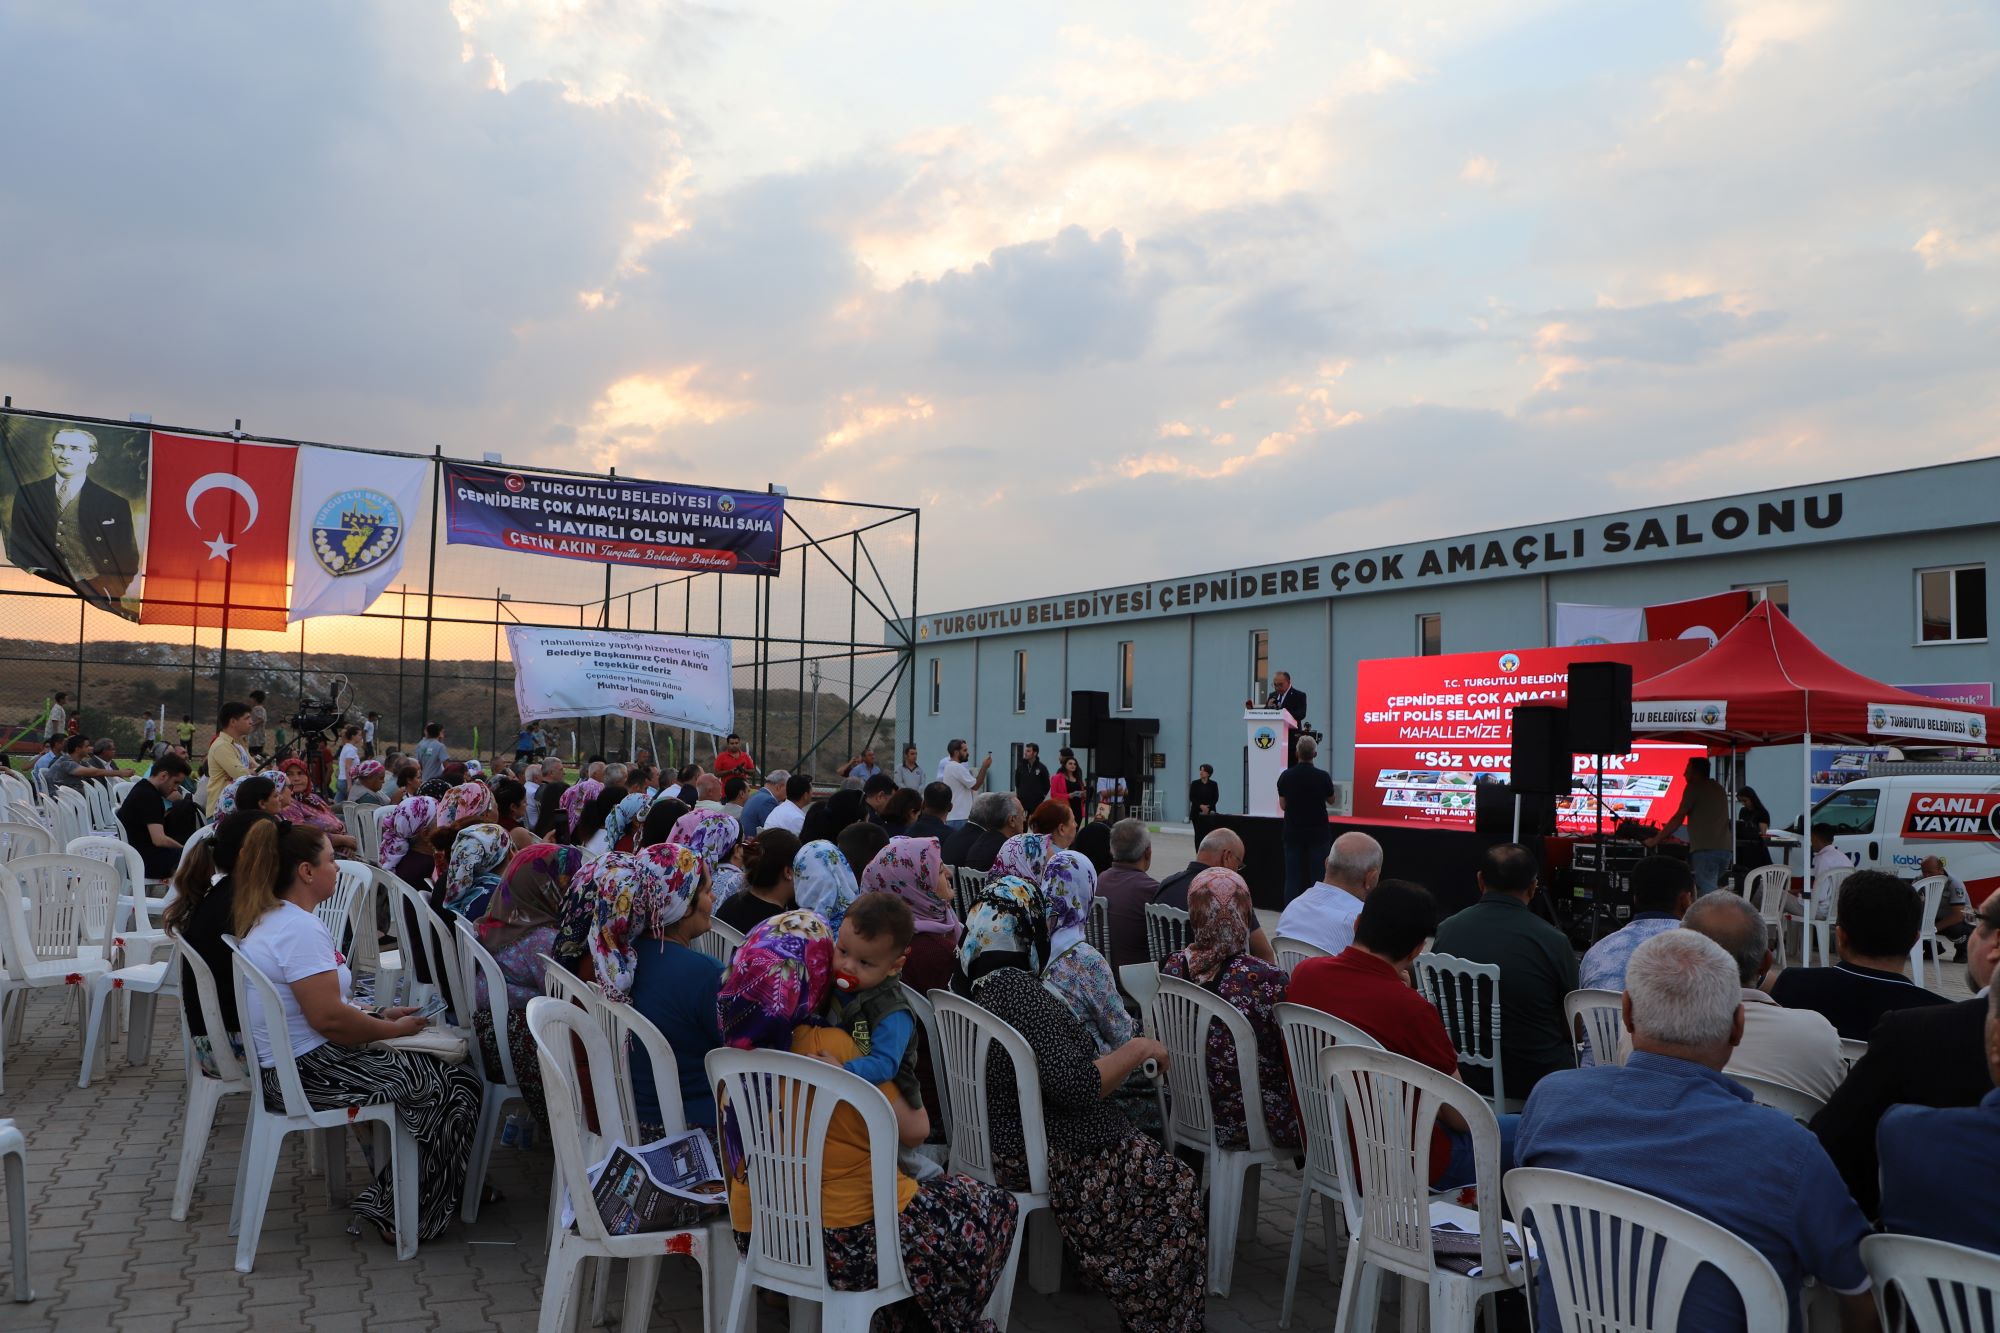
1766, 683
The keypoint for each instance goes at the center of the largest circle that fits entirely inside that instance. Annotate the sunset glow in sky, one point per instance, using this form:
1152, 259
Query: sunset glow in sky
1114, 291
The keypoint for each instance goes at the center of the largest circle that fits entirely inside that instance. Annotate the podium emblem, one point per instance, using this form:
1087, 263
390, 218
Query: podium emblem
1264, 738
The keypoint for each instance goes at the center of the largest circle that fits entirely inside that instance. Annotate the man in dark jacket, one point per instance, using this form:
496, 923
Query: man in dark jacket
995, 817
1931, 1056
1031, 777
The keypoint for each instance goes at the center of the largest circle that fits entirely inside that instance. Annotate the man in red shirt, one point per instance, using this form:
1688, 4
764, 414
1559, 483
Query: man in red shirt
1365, 986
734, 758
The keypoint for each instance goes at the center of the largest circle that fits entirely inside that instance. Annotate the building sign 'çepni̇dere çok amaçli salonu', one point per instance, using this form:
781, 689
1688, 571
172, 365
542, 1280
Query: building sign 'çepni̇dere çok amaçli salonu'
1692, 530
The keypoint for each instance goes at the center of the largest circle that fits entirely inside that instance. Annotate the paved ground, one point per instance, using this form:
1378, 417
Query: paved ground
106, 1255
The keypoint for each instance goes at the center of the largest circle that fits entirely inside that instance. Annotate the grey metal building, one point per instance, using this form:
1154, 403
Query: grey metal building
1885, 572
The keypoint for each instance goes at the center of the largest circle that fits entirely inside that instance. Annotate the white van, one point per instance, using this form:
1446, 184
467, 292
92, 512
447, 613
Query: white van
1901, 813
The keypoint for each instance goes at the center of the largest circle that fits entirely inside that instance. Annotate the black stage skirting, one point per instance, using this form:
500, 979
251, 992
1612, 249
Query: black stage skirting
1443, 860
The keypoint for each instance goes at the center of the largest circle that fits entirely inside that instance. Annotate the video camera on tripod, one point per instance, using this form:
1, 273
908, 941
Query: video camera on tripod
316, 720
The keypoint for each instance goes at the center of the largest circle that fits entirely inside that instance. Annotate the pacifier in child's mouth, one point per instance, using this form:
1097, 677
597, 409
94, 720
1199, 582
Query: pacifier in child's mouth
845, 981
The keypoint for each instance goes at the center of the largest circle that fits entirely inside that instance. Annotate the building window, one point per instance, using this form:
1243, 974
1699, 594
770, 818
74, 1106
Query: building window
937, 685
1951, 604
1430, 634
1020, 680
1260, 664
1125, 676
1777, 594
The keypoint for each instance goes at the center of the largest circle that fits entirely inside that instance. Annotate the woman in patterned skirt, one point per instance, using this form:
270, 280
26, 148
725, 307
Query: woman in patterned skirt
1217, 958
280, 878
1130, 1212
953, 1231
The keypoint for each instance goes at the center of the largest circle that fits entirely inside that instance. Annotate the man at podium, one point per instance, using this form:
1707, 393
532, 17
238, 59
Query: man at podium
1293, 702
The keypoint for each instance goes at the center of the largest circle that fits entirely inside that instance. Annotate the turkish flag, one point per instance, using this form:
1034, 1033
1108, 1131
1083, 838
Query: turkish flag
220, 533
1705, 618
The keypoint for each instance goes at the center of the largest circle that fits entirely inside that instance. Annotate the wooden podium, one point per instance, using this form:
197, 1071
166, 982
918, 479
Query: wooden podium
1267, 736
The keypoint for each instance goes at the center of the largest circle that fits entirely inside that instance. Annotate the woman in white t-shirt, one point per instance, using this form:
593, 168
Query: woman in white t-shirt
283, 873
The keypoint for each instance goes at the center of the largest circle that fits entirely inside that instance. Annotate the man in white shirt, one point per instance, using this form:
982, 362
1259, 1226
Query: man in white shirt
58, 723
1796, 1047
1324, 914
790, 813
368, 735
956, 773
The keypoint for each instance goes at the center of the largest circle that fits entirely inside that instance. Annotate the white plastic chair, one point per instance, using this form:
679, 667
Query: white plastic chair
719, 942
57, 911
1097, 927
75, 819
351, 878
134, 931
265, 1137
413, 914
966, 1035
1307, 1032
1928, 940
1764, 889
1621, 1259
1384, 1109
388, 964
1945, 1288
1819, 921
1183, 1015
351, 819
1601, 1015
783, 1104
263, 1143
1166, 930
22, 839
1292, 951
367, 830
196, 839
927, 1020
967, 884
1141, 981
553, 1023
103, 810
1471, 1018
204, 1093
14, 1160
1797, 1103
482, 973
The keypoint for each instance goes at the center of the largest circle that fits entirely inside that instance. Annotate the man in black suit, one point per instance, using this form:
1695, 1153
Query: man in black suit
995, 817
930, 822
1031, 777
1933, 1056
69, 529
1293, 702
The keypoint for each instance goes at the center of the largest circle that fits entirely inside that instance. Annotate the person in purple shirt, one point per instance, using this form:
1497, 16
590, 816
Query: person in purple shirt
1670, 1123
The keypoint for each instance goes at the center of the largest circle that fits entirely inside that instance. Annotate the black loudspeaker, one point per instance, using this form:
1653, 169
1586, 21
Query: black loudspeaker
1541, 751
1088, 709
1600, 707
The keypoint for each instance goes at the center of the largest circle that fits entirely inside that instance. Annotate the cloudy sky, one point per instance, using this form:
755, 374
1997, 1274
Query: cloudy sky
1113, 291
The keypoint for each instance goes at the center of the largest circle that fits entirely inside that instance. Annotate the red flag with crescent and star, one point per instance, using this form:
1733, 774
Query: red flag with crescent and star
221, 533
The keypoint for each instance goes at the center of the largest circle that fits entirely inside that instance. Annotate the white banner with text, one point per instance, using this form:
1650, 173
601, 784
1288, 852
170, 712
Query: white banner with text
665, 678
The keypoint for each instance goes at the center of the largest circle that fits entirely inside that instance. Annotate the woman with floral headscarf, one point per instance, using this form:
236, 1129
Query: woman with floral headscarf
1127, 1208
718, 839
308, 807
823, 882
1024, 856
262, 792
954, 1233
518, 928
674, 984
472, 872
573, 801
364, 785
1077, 973
407, 850
1218, 958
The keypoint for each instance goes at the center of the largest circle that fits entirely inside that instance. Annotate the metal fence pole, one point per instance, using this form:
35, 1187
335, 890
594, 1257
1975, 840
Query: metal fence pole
430, 581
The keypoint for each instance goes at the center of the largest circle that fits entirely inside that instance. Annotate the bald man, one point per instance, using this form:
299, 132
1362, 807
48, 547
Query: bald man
1324, 914
1219, 848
